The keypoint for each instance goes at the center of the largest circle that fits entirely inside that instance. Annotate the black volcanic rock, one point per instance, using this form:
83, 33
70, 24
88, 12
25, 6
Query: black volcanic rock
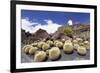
30, 38
23, 35
59, 35
76, 27
41, 34
79, 30
63, 36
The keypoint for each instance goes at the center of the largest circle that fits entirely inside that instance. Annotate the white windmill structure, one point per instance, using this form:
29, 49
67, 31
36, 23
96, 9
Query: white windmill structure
70, 22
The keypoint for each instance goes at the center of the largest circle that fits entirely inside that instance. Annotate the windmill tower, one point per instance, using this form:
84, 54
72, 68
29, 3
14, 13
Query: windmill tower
70, 22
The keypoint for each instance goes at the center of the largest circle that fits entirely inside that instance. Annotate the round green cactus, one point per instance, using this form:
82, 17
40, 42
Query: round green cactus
45, 46
75, 46
59, 44
55, 41
87, 45
68, 48
80, 40
81, 44
26, 48
75, 41
34, 44
68, 41
33, 50
54, 53
40, 44
40, 56
50, 42
81, 50
47, 52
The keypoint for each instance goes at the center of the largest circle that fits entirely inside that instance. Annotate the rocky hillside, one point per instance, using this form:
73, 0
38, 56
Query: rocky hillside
38, 35
79, 30
64, 32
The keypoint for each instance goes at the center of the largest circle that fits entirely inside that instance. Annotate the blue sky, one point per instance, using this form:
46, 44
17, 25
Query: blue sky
50, 21
57, 17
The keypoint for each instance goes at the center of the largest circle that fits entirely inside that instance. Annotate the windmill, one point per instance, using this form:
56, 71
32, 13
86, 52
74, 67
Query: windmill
70, 22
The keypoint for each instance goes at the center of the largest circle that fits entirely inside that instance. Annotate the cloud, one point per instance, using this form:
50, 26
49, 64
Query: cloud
32, 27
27, 25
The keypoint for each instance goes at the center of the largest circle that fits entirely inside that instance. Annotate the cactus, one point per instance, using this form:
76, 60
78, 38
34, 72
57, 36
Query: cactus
45, 46
54, 53
81, 44
68, 48
40, 44
47, 52
81, 50
59, 44
87, 45
34, 44
80, 40
75, 41
75, 46
40, 56
51, 49
26, 48
33, 50
55, 41
68, 41
50, 42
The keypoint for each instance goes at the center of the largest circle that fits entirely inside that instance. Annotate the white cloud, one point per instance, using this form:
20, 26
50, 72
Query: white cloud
27, 25
50, 26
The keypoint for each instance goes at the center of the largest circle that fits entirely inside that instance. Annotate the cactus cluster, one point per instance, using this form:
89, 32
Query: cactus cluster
51, 49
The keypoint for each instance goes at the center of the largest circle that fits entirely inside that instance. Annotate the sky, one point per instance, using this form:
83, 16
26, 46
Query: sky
50, 21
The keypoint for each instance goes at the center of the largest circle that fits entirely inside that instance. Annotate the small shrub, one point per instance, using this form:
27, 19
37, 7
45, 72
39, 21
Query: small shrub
68, 31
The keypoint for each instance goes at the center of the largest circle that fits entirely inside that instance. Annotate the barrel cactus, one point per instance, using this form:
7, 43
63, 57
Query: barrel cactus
68, 48
40, 56
68, 41
54, 53
75, 41
79, 40
50, 42
55, 41
59, 44
75, 46
26, 48
47, 52
32, 50
81, 50
81, 44
45, 46
40, 44
34, 44
87, 45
